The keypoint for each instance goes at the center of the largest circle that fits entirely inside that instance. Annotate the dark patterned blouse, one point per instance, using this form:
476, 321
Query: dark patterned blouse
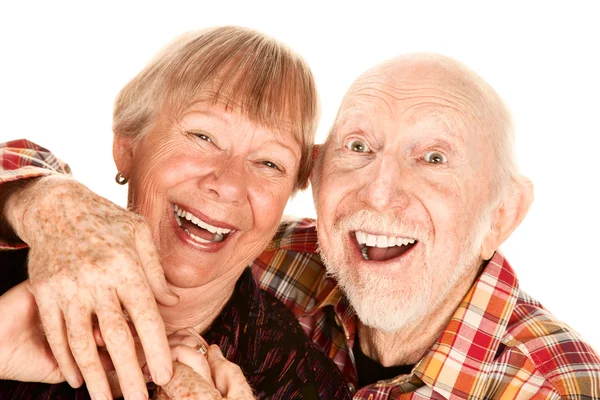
255, 331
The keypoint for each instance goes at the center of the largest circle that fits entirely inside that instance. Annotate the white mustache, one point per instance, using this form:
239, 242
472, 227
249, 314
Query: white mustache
391, 225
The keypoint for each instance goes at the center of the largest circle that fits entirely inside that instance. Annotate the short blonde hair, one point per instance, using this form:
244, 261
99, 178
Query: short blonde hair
245, 69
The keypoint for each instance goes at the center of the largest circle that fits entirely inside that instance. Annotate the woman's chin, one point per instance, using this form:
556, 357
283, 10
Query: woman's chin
186, 278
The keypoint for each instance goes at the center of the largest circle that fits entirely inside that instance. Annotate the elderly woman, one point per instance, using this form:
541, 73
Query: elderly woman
213, 137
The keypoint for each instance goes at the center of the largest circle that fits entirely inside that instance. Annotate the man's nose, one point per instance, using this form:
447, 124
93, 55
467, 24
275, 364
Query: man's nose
385, 185
228, 182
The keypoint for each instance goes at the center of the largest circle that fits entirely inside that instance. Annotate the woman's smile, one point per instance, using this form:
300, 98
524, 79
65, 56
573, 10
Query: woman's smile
204, 232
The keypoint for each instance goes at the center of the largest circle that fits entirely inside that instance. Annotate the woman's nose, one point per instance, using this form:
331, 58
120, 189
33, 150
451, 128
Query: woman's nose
228, 181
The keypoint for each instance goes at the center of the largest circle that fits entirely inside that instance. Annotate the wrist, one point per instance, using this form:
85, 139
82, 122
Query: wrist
26, 200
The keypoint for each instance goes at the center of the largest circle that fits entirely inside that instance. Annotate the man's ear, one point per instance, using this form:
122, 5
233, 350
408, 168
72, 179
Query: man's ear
315, 153
508, 215
316, 164
123, 153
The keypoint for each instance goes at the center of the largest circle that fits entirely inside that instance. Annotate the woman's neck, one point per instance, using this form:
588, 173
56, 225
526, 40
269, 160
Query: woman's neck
198, 307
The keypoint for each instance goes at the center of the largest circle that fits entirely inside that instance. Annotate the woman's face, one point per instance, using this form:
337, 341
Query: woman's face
213, 186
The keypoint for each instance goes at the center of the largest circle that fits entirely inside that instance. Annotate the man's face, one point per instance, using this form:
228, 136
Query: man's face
403, 194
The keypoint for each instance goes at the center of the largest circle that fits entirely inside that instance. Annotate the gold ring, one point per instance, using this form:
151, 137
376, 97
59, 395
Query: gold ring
202, 350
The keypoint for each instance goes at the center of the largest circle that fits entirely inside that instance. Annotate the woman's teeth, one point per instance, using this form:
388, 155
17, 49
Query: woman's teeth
218, 233
197, 221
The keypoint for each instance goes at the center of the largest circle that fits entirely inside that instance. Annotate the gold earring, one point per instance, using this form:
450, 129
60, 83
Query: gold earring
120, 179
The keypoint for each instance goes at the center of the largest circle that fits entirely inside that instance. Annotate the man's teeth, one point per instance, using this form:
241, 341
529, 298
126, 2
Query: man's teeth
219, 233
381, 241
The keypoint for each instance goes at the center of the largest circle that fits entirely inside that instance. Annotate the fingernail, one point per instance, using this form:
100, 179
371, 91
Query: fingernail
99, 396
138, 396
163, 376
217, 350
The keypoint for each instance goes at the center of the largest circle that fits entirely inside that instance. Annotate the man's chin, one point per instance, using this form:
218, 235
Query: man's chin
384, 312
381, 303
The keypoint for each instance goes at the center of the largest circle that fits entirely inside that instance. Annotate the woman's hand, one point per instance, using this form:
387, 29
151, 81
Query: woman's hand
196, 375
226, 381
24, 353
90, 257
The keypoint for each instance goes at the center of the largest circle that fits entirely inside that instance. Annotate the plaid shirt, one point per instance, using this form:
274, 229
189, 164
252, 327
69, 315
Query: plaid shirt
499, 344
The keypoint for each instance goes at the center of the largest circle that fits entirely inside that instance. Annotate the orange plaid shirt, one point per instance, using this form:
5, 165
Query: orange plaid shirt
499, 344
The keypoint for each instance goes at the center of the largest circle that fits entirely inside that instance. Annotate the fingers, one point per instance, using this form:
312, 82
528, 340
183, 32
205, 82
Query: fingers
120, 345
153, 269
55, 330
98, 333
227, 376
187, 384
144, 314
85, 352
193, 359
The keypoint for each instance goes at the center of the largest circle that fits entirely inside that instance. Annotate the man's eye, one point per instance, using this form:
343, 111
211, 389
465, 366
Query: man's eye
435, 157
358, 146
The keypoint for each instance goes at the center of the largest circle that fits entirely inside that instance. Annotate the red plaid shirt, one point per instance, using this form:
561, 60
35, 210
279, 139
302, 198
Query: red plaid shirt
499, 344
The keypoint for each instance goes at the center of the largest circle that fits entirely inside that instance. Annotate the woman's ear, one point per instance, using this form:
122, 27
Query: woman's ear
509, 214
123, 153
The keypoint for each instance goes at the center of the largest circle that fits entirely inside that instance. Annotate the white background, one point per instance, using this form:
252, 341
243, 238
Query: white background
61, 65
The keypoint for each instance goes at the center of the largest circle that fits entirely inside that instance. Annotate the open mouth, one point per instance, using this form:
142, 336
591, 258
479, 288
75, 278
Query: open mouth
381, 247
199, 230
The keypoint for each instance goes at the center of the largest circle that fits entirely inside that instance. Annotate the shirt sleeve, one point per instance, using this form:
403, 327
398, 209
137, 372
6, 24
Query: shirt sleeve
20, 160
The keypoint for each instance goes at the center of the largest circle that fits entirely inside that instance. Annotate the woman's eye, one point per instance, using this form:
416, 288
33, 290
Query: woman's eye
203, 137
358, 146
271, 164
435, 157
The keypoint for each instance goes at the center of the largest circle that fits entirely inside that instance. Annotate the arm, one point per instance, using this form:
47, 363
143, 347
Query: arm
77, 239
21, 164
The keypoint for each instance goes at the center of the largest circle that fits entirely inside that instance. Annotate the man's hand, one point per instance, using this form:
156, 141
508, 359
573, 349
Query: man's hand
89, 257
24, 353
226, 381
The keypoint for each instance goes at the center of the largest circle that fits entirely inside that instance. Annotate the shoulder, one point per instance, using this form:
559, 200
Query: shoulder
296, 234
291, 268
552, 348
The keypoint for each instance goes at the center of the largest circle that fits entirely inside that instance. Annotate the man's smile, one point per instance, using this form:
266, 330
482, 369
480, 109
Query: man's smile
382, 247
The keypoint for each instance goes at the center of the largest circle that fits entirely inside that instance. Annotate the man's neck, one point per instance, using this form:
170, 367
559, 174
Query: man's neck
408, 345
198, 307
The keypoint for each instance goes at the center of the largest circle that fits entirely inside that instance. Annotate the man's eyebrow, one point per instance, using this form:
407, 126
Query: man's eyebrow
450, 123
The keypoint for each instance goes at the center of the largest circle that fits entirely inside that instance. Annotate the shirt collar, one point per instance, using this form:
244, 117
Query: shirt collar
472, 338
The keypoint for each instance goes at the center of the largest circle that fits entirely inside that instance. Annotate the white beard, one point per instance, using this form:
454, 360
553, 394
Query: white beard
383, 302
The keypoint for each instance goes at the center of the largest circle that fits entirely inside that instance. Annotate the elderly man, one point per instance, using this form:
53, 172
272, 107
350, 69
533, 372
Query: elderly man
416, 188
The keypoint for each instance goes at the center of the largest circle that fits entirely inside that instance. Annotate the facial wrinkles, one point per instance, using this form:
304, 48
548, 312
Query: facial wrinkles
147, 166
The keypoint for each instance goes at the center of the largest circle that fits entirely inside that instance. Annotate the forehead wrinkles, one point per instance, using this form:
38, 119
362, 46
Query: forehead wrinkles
401, 94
